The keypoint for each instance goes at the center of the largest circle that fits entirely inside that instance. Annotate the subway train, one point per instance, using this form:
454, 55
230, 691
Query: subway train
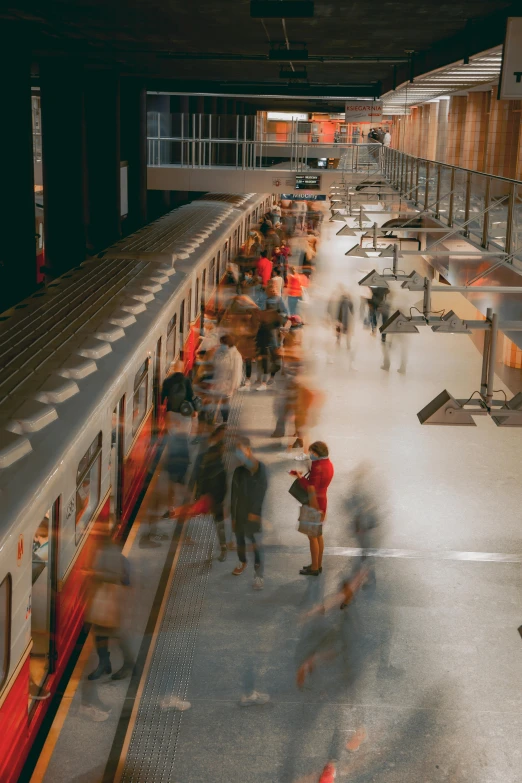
82, 365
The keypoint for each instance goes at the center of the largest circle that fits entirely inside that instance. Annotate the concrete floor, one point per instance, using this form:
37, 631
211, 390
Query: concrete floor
429, 661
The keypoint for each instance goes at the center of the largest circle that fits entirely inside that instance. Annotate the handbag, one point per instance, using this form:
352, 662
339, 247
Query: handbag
299, 492
105, 605
310, 521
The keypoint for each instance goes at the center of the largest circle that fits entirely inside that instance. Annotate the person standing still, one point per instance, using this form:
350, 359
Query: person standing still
249, 485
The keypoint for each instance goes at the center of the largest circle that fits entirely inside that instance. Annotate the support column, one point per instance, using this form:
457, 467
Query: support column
63, 154
134, 152
102, 133
17, 248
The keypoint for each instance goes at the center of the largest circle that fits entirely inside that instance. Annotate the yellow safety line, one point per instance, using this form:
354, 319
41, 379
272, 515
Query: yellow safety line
61, 715
148, 662
77, 676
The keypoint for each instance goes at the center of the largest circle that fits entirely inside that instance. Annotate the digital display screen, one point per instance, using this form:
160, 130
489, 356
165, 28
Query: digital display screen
307, 182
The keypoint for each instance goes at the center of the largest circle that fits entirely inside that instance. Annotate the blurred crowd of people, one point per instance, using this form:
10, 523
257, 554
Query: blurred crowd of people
211, 467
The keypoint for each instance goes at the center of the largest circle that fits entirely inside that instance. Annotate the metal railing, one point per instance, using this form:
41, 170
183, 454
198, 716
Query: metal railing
487, 209
243, 142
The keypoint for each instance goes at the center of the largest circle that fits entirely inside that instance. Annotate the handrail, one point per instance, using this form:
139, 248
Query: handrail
453, 166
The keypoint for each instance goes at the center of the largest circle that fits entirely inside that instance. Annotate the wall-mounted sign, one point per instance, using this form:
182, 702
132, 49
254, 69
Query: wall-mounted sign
302, 197
307, 182
364, 111
510, 87
287, 116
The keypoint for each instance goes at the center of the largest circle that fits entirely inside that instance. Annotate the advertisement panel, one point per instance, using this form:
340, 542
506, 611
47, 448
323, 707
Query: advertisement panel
364, 111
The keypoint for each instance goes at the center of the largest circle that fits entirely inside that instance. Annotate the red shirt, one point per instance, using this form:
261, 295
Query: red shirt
264, 269
321, 475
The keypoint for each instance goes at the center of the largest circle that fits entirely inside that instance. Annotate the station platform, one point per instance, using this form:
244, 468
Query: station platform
428, 673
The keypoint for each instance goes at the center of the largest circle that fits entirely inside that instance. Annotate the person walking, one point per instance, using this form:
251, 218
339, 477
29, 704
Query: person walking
110, 583
317, 482
227, 373
249, 486
211, 483
387, 138
264, 269
294, 290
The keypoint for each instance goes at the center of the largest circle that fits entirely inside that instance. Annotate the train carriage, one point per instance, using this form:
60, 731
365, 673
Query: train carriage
82, 365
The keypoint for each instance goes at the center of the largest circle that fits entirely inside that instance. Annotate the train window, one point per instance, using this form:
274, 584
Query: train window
204, 287
88, 481
189, 308
196, 299
141, 395
5, 627
212, 273
218, 275
171, 340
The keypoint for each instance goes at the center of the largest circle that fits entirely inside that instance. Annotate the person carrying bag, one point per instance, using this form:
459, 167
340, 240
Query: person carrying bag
313, 510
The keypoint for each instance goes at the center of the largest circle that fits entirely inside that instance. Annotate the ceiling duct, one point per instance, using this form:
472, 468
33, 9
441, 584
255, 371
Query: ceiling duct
281, 9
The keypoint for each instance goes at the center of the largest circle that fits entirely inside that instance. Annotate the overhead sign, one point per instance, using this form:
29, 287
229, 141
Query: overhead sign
307, 182
511, 74
364, 111
302, 197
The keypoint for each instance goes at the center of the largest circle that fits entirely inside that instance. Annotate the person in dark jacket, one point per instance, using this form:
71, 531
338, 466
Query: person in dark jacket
249, 485
341, 310
176, 389
176, 464
211, 483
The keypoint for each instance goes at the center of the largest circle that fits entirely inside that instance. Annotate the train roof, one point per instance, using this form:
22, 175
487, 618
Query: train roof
54, 344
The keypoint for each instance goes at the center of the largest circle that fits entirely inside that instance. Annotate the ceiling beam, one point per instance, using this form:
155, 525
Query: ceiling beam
264, 89
484, 33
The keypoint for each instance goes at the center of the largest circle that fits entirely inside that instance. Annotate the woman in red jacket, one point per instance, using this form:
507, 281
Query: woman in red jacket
317, 483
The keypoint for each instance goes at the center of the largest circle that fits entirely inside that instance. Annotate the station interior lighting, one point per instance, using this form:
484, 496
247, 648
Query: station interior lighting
445, 410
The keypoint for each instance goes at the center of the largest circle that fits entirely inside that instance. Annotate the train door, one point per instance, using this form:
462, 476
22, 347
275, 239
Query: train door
218, 267
156, 384
116, 457
41, 605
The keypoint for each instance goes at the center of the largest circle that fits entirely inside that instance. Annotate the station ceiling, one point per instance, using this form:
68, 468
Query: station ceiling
216, 46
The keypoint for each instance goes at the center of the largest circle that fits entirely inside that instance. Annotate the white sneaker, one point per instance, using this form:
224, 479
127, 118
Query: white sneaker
174, 703
258, 583
301, 457
254, 698
245, 387
263, 387
94, 713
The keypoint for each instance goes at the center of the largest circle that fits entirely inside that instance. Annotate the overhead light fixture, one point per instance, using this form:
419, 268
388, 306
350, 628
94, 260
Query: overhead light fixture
281, 9
503, 417
414, 282
374, 279
446, 410
346, 231
398, 323
451, 324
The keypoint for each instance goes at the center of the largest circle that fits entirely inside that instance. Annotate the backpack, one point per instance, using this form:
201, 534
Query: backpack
177, 393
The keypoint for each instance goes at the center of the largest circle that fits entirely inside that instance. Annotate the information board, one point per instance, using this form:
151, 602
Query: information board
302, 197
307, 182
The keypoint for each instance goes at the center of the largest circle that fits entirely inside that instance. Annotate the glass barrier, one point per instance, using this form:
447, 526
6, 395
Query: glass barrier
488, 208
